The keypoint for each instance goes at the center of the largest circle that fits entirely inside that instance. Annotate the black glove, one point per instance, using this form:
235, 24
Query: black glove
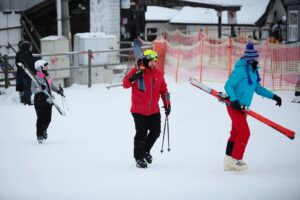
277, 99
136, 76
61, 92
43, 87
254, 65
167, 110
236, 105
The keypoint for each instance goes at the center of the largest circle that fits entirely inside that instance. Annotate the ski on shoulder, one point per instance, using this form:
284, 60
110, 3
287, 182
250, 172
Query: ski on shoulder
138, 53
50, 98
224, 98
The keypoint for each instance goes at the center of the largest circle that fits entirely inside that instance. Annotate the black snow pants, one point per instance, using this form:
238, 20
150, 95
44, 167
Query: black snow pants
43, 113
144, 140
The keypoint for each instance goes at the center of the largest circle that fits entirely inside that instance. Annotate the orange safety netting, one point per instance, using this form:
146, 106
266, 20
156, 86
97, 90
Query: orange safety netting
213, 59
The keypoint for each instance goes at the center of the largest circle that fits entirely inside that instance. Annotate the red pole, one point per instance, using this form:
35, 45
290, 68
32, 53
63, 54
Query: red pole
265, 61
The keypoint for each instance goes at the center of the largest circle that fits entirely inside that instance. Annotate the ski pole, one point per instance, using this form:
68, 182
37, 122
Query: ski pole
162, 144
62, 102
167, 120
65, 102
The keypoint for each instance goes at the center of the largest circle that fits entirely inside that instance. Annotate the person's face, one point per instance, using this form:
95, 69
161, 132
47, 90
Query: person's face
255, 60
152, 64
45, 68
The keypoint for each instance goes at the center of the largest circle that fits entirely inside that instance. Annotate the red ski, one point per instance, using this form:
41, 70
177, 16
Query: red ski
223, 98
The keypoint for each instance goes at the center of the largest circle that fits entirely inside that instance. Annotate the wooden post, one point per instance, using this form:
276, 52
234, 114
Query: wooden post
5, 70
219, 13
229, 56
90, 68
201, 58
265, 62
177, 66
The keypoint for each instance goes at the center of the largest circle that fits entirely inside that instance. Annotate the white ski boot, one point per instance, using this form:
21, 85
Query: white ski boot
231, 164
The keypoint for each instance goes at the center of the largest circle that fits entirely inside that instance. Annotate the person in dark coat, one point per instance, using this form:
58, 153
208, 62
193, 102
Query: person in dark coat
19, 78
28, 61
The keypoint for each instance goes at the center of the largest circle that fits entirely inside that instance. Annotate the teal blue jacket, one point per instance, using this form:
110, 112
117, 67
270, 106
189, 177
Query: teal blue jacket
243, 82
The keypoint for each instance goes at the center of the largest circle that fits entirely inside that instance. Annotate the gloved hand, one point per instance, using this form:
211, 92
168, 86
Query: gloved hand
49, 100
61, 92
167, 110
236, 105
43, 87
136, 76
254, 65
277, 99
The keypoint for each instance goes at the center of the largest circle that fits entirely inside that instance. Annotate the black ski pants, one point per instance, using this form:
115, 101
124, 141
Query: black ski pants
27, 91
43, 113
147, 131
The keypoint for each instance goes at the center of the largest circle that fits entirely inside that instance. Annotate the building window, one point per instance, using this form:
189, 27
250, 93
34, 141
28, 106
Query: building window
293, 25
151, 34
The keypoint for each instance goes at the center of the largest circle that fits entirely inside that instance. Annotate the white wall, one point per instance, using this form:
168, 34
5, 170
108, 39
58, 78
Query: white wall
13, 36
105, 17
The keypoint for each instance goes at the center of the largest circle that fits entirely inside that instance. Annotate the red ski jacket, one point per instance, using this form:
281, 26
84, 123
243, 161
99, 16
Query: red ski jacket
146, 102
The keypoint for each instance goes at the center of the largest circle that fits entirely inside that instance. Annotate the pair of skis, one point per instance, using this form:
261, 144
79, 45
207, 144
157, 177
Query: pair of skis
50, 98
137, 51
224, 98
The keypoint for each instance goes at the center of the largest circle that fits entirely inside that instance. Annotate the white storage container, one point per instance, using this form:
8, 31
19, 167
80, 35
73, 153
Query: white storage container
56, 44
95, 42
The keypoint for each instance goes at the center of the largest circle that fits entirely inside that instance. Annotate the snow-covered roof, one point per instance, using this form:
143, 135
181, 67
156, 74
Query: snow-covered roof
250, 12
220, 2
53, 37
195, 15
157, 13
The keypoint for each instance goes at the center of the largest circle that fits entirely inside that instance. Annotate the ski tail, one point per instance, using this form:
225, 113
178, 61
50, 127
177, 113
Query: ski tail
287, 132
61, 111
137, 48
224, 98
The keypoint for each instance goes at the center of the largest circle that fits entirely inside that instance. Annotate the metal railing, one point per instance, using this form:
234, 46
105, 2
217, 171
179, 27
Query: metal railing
89, 53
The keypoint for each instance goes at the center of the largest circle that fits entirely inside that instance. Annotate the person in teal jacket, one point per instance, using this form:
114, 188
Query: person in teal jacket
240, 87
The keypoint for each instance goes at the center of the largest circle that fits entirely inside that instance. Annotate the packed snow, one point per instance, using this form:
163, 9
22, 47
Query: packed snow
89, 152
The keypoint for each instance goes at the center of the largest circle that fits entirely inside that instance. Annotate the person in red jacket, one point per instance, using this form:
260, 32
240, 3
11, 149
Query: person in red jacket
148, 85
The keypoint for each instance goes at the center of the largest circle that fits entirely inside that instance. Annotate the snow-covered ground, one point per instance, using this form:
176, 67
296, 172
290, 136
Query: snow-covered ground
89, 152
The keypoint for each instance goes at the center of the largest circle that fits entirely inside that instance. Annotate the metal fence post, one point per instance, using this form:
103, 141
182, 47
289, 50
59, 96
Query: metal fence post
5, 70
90, 68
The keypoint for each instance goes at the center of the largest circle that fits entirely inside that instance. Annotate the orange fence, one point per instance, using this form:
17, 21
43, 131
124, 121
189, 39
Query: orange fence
184, 56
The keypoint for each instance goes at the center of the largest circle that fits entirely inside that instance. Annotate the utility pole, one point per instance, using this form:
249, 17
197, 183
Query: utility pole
58, 12
66, 28
219, 13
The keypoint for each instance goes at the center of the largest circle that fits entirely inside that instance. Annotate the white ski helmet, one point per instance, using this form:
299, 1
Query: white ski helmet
39, 64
